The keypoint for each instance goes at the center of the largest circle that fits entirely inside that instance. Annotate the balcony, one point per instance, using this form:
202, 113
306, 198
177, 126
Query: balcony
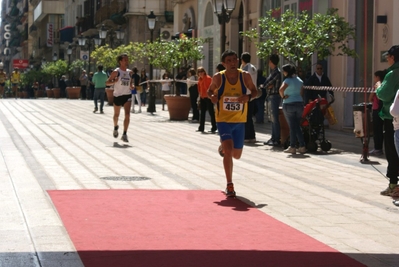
46, 7
113, 12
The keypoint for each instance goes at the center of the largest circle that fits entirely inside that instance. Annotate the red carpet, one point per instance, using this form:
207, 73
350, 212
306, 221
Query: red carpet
183, 228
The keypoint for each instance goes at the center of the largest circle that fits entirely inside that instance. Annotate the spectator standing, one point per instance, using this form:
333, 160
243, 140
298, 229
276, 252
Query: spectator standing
165, 88
291, 91
91, 86
138, 91
272, 85
204, 81
62, 84
250, 135
260, 101
99, 82
319, 78
123, 84
386, 93
84, 80
231, 111
182, 75
144, 78
193, 90
378, 123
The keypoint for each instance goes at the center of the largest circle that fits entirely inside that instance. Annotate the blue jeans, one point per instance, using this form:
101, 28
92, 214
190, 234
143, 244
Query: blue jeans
99, 93
293, 115
275, 101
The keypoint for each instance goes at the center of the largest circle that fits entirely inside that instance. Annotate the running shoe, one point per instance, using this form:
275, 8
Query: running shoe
230, 190
124, 138
116, 131
95, 110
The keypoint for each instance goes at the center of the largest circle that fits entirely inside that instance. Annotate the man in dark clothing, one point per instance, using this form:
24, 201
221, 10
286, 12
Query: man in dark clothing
182, 87
317, 79
63, 86
272, 84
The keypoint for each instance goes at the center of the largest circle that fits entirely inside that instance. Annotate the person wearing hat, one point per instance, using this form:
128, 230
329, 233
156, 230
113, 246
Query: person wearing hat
386, 93
3, 78
15, 79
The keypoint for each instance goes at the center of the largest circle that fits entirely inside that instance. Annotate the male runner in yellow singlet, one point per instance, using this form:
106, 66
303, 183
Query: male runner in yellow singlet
231, 90
15, 79
3, 78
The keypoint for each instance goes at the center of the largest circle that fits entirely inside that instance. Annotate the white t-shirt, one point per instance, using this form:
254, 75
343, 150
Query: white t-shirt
166, 85
122, 85
251, 69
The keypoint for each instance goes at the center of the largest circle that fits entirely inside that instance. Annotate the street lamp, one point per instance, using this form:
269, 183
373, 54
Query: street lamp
151, 20
102, 32
55, 57
223, 9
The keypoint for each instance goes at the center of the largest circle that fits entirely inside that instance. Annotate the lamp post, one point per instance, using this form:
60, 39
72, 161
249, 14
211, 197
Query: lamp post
223, 9
151, 20
120, 34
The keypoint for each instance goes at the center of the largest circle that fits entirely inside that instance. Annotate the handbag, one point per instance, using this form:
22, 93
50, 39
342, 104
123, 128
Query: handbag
139, 88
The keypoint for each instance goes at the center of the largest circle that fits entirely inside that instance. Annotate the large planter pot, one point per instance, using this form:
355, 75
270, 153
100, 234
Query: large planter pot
56, 92
110, 96
49, 93
39, 93
73, 92
178, 107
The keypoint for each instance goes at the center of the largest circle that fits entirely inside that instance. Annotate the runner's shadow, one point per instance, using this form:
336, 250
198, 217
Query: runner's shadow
239, 203
117, 145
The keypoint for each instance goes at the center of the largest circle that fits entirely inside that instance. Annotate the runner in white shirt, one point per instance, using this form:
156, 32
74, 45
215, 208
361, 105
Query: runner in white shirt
123, 84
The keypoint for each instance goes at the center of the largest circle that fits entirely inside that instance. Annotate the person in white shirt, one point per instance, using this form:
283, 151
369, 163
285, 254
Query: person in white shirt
123, 84
394, 110
249, 125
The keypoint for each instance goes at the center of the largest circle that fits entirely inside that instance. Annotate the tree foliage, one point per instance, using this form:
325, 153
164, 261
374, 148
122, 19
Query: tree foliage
160, 54
56, 68
298, 37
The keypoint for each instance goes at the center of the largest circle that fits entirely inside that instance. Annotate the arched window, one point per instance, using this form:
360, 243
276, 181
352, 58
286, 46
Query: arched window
208, 15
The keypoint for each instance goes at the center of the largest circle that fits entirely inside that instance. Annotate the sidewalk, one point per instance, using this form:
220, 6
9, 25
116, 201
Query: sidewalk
60, 144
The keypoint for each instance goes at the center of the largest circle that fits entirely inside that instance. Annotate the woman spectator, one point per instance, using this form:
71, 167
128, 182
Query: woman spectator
291, 91
165, 88
204, 81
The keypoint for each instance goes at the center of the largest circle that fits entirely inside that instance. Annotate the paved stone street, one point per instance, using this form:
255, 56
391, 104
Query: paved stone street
60, 144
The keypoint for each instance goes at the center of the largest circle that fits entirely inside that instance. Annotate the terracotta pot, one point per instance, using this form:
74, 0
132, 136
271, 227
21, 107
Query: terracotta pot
73, 92
39, 93
56, 92
49, 93
178, 107
110, 96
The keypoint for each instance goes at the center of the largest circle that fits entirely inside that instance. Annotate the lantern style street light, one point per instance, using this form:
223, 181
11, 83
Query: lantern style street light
151, 20
223, 10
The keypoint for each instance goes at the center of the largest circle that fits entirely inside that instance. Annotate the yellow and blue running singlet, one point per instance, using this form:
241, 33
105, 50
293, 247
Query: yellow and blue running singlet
228, 109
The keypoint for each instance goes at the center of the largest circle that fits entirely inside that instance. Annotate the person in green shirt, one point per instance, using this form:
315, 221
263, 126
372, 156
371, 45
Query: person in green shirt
99, 79
386, 93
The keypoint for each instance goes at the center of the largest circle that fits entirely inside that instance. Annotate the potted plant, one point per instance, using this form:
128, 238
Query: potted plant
180, 53
56, 69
